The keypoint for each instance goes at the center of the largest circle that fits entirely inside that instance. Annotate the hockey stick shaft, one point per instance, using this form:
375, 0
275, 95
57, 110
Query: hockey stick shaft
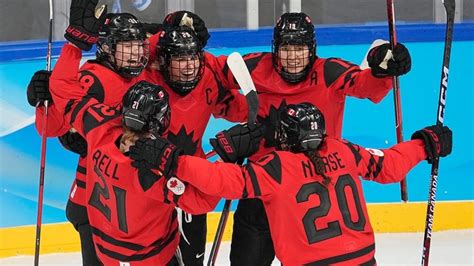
210, 154
243, 78
219, 233
450, 7
43, 143
396, 90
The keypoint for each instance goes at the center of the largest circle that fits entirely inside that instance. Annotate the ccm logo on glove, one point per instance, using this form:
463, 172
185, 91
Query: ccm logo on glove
435, 138
166, 156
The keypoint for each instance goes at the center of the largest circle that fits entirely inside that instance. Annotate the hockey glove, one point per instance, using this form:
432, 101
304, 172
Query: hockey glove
185, 18
438, 141
73, 141
238, 142
38, 89
84, 23
159, 154
385, 62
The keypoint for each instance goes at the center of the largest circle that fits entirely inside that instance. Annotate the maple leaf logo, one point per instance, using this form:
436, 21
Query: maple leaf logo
270, 121
173, 183
184, 141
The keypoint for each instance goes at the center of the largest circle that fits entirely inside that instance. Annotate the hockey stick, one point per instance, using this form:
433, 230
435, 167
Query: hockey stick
449, 6
210, 154
43, 142
396, 90
364, 64
242, 75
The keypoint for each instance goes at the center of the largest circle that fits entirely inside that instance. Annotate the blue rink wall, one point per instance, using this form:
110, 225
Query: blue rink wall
364, 122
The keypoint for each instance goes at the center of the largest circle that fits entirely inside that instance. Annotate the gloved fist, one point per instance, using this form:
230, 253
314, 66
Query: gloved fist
84, 23
159, 154
73, 141
186, 18
238, 142
385, 62
438, 141
38, 89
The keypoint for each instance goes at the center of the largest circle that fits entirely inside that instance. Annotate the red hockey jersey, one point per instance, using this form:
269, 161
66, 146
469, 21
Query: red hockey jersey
190, 114
311, 223
96, 81
132, 214
326, 87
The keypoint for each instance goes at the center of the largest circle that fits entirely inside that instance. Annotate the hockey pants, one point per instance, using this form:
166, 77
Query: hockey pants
77, 215
251, 240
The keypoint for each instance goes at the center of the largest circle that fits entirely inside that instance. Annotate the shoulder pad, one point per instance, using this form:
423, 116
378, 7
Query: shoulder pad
334, 68
252, 60
92, 85
271, 163
355, 149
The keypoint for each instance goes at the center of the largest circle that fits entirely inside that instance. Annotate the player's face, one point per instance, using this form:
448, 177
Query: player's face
293, 58
131, 53
184, 67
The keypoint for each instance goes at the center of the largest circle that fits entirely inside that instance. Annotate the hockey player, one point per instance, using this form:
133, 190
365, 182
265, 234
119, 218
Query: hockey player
193, 88
293, 73
131, 212
310, 186
121, 56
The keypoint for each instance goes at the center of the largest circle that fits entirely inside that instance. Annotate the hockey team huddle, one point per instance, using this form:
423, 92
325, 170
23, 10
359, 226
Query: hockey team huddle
136, 115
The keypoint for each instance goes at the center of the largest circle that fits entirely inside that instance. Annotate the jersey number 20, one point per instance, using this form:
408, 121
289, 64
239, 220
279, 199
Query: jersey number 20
333, 228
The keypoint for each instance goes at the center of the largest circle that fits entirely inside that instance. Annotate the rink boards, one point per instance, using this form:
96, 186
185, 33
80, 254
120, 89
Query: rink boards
364, 123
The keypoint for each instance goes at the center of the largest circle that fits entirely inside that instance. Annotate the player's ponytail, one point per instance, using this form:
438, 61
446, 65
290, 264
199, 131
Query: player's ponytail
319, 166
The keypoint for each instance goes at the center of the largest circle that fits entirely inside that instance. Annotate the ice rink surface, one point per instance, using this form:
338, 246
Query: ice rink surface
447, 248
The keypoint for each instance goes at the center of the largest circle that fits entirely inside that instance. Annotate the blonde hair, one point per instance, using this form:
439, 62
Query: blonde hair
129, 138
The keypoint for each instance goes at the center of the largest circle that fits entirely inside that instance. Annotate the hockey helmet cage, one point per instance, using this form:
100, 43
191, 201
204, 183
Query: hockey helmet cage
293, 29
180, 43
123, 27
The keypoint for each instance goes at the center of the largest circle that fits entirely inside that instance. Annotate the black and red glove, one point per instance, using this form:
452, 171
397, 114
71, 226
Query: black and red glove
238, 142
84, 23
438, 141
73, 141
178, 19
38, 88
398, 64
158, 154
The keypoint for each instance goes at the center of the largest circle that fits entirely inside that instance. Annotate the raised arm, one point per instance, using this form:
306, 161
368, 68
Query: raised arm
391, 165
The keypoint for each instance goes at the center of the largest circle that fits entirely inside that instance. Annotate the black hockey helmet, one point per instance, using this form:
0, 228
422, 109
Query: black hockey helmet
293, 29
180, 43
122, 27
146, 108
300, 128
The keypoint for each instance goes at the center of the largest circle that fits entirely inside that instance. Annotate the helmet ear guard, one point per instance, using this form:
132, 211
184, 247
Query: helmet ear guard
301, 127
134, 119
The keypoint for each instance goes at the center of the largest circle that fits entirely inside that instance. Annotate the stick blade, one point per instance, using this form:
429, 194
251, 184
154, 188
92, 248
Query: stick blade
242, 76
364, 64
241, 73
